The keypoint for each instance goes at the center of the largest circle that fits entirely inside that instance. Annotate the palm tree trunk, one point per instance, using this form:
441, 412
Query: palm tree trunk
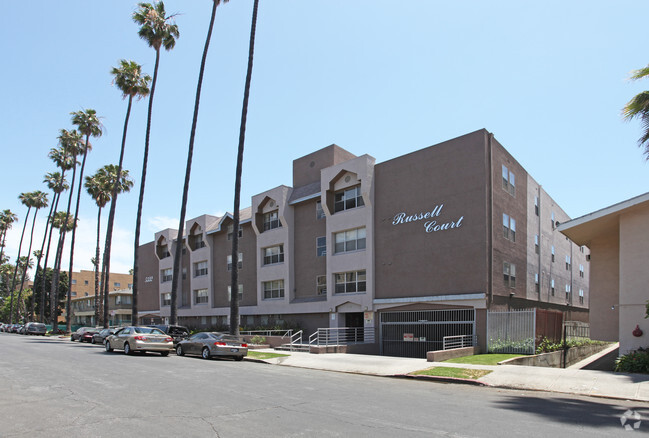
173, 318
97, 268
68, 306
48, 227
59, 255
17, 262
29, 251
140, 202
111, 214
2, 246
234, 287
40, 256
47, 256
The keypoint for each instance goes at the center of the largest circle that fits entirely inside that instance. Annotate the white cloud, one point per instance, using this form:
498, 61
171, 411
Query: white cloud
158, 223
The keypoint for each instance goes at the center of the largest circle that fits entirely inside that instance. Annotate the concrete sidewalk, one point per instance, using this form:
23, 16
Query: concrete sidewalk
569, 380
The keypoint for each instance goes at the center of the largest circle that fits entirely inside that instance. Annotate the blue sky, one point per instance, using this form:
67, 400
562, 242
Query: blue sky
548, 79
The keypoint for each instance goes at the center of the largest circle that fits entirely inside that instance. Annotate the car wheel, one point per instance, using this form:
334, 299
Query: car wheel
72, 338
238, 358
92, 341
127, 349
164, 353
108, 347
179, 351
205, 354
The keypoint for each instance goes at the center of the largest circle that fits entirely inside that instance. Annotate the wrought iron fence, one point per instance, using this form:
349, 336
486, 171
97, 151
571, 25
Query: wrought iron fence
576, 330
512, 331
342, 336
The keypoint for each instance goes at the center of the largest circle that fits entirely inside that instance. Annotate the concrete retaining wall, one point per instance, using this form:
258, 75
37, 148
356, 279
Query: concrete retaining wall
442, 355
555, 359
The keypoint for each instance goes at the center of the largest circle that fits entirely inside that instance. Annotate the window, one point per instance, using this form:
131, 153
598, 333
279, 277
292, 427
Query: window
581, 271
348, 199
552, 218
509, 227
240, 294
73, 294
536, 243
130, 285
537, 286
552, 253
319, 212
273, 255
581, 249
85, 294
198, 241
350, 282
231, 231
164, 251
74, 281
117, 284
509, 274
321, 284
321, 246
123, 299
271, 220
568, 290
509, 181
273, 289
552, 286
200, 296
166, 275
239, 262
581, 296
200, 268
166, 299
568, 263
536, 205
351, 240
184, 273
86, 281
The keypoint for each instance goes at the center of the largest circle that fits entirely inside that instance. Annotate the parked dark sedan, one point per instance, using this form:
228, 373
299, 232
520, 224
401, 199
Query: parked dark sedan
84, 334
208, 344
99, 338
35, 328
177, 332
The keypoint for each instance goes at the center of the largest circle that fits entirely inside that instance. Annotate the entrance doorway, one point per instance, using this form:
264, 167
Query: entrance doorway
354, 321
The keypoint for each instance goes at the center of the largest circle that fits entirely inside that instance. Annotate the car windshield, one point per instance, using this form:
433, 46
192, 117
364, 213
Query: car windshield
148, 331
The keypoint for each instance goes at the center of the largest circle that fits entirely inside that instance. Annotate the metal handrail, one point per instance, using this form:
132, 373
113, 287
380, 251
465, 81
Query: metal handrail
296, 338
342, 336
284, 333
459, 341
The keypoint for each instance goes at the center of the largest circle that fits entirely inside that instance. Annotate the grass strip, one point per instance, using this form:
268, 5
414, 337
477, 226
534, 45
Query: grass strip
264, 355
459, 373
483, 359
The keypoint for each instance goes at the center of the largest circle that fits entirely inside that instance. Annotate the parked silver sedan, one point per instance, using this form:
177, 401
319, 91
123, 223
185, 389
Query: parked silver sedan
208, 344
132, 339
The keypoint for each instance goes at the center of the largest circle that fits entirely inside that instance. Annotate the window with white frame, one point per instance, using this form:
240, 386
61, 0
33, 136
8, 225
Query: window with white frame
117, 284
239, 295
321, 284
552, 251
552, 218
552, 286
581, 296
198, 241
350, 282
271, 220
321, 246
166, 275
273, 289
273, 255
200, 268
319, 211
348, 198
166, 299
568, 290
201, 296
509, 227
350, 240
581, 270
509, 274
537, 286
509, 181
74, 281
231, 231
568, 263
536, 243
536, 205
239, 262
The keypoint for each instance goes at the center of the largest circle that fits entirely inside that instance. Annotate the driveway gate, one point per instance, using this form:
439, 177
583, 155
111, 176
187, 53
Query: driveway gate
413, 333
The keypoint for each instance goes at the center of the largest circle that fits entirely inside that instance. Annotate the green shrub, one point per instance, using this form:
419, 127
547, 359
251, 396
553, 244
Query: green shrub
258, 340
547, 346
504, 345
634, 362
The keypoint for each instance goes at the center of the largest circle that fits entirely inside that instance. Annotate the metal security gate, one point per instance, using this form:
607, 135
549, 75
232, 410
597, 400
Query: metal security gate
414, 333
512, 331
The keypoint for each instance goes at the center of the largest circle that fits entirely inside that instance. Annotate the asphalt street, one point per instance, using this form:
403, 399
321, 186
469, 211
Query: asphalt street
58, 388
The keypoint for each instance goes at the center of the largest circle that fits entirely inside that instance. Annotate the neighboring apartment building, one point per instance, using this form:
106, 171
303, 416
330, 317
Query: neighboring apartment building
410, 250
83, 283
119, 305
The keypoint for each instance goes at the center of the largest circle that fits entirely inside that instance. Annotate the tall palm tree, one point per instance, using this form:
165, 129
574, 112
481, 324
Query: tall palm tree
56, 182
173, 318
64, 223
71, 142
639, 107
88, 124
234, 300
27, 199
7, 218
100, 186
39, 200
133, 84
158, 30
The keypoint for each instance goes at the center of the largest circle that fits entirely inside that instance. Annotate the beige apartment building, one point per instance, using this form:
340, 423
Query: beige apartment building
407, 251
83, 283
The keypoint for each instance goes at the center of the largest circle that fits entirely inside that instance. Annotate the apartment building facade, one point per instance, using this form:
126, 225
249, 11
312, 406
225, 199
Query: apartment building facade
426, 240
83, 283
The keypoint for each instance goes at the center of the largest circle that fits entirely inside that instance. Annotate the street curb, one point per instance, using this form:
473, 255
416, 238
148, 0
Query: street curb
442, 379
